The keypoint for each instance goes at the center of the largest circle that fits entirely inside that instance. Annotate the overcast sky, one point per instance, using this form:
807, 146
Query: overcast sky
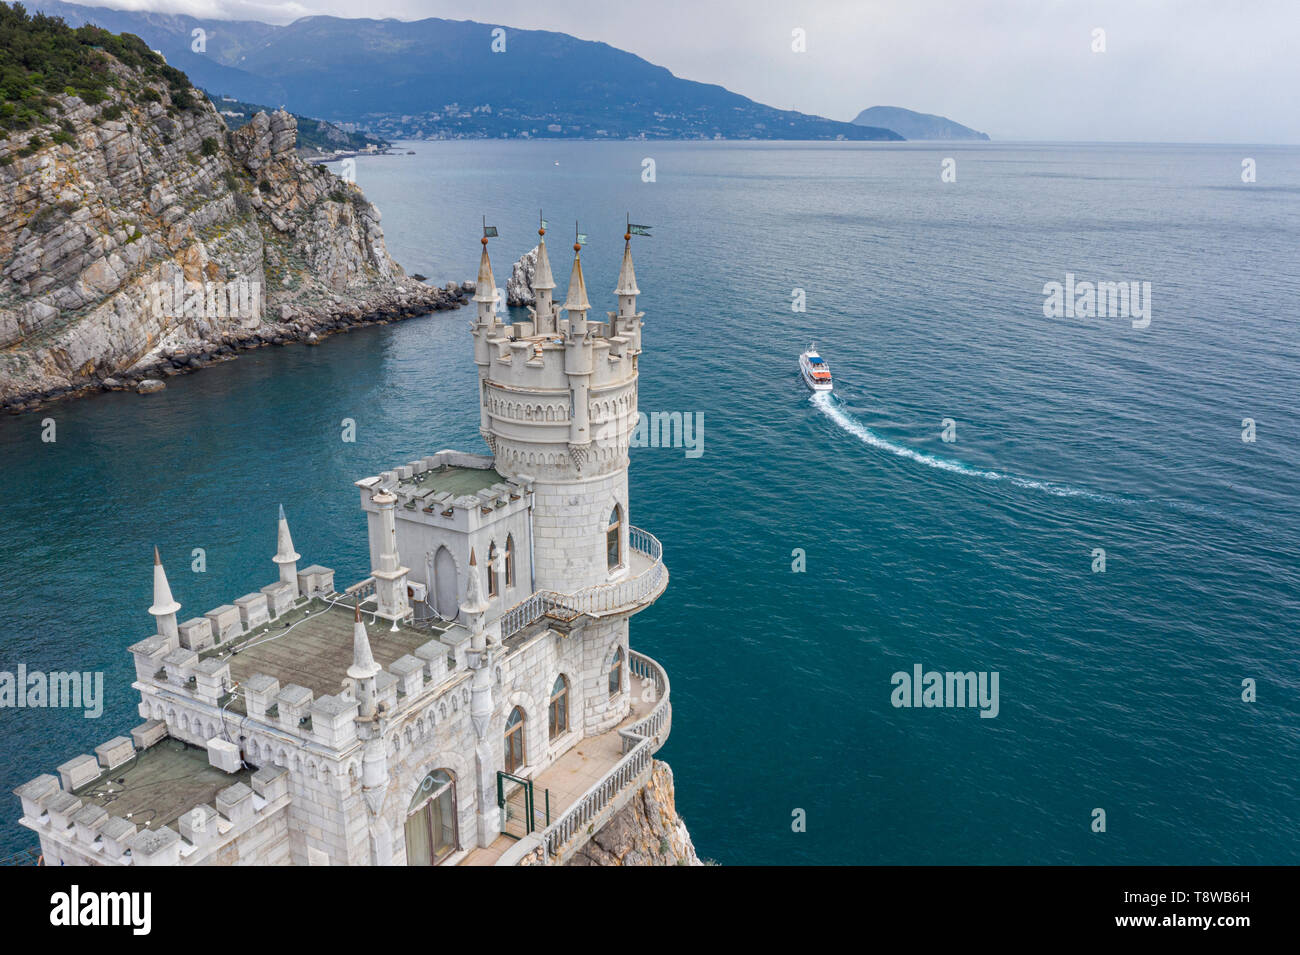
1173, 70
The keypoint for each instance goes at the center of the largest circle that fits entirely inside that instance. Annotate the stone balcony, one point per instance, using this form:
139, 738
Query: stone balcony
592, 781
646, 580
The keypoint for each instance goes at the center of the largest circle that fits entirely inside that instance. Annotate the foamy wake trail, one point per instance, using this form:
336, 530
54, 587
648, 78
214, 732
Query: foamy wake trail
826, 403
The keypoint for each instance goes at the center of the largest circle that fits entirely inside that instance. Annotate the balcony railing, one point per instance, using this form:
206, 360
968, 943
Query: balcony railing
598, 599
641, 741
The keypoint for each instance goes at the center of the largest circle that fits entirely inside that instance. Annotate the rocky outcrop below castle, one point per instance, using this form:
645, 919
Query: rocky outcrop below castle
647, 831
519, 287
140, 238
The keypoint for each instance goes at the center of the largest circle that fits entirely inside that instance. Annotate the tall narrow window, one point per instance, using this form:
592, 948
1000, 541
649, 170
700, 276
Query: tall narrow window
510, 560
431, 820
614, 539
515, 740
492, 569
559, 715
616, 673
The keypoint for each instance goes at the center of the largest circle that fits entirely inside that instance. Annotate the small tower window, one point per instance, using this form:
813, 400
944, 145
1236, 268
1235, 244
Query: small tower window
510, 560
614, 539
492, 569
559, 714
616, 673
515, 740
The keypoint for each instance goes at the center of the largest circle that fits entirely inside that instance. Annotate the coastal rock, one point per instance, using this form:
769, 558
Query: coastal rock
647, 831
115, 246
149, 386
519, 288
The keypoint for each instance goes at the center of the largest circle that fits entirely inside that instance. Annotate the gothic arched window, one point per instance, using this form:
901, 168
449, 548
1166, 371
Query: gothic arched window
510, 560
431, 820
515, 740
492, 569
616, 673
559, 711
614, 539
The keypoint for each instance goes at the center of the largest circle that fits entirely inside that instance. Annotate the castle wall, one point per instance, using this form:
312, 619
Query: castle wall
569, 523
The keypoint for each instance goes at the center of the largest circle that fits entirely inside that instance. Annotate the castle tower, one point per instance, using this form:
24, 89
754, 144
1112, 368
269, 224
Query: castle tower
390, 575
559, 416
285, 556
164, 607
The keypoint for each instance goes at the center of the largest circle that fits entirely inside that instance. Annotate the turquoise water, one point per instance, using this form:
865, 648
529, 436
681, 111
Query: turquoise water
1119, 690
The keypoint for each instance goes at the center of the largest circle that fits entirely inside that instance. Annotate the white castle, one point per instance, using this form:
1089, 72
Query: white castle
475, 700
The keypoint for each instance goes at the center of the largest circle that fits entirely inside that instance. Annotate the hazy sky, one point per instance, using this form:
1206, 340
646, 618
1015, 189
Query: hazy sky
1173, 70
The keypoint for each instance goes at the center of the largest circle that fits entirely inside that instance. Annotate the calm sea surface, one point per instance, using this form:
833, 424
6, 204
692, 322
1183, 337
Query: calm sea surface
1119, 690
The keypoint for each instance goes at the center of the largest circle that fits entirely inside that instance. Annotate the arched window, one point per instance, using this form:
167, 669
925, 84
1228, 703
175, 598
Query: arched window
515, 740
616, 673
510, 560
431, 820
614, 539
559, 712
492, 569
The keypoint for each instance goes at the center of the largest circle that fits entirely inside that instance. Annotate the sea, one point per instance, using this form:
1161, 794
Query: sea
1097, 507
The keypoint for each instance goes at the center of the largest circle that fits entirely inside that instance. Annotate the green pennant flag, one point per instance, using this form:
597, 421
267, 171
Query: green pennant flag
634, 229
489, 232
582, 238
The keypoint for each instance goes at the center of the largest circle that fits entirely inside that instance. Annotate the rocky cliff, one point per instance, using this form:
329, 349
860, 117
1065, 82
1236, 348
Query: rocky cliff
519, 287
139, 236
647, 831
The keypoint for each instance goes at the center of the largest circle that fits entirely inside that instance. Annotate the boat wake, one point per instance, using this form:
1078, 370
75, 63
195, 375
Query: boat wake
829, 406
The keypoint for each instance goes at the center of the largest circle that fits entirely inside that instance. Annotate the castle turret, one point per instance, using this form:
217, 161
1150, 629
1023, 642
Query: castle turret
485, 325
364, 669
627, 321
546, 319
577, 362
285, 556
390, 575
164, 607
475, 604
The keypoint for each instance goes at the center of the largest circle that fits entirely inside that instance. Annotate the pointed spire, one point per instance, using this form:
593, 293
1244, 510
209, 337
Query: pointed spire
163, 604
486, 289
577, 300
284, 552
542, 278
626, 274
363, 666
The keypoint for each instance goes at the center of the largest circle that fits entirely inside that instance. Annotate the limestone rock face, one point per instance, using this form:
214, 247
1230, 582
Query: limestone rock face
106, 212
519, 289
647, 831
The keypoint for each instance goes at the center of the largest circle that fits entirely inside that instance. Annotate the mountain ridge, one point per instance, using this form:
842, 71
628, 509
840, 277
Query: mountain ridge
378, 74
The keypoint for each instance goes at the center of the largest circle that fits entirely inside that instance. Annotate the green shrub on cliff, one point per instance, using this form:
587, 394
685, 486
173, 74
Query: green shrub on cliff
41, 55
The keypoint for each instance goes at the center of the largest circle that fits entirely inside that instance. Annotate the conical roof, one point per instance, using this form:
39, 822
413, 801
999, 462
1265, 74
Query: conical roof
162, 591
486, 289
626, 274
577, 300
542, 277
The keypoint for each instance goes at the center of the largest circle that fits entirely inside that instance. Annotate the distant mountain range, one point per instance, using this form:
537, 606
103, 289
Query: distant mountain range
913, 125
437, 79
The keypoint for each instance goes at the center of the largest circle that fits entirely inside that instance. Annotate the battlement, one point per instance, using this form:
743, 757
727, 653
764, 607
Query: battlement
148, 800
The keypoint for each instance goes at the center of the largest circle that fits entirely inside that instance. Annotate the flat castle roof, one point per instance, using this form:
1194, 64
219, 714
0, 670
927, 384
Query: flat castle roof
315, 650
